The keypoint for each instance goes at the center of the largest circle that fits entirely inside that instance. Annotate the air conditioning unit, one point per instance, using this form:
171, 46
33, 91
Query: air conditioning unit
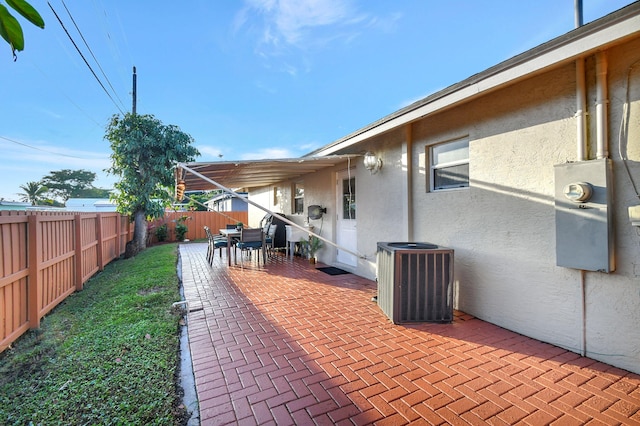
415, 282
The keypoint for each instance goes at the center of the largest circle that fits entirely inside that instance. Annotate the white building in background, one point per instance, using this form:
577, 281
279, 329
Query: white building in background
227, 203
14, 205
90, 205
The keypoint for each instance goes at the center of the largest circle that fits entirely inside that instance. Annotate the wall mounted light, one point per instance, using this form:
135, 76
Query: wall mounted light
372, 163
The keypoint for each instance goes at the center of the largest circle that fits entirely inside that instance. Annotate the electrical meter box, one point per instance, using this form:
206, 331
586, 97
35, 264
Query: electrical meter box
584, 225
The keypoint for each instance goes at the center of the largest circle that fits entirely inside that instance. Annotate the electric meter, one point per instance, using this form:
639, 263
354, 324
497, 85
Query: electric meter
578, 192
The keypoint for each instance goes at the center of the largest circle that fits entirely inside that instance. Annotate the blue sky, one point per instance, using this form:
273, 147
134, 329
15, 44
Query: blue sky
248, 79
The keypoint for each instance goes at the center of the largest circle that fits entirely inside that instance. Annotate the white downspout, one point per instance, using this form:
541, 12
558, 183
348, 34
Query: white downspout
602, 102
409, 183
581, 102
581, 92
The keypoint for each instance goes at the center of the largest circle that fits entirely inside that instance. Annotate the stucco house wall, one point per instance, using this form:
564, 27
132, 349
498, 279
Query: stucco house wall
503, 226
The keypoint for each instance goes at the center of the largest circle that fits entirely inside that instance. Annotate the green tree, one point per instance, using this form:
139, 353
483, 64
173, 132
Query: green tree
33, 192
65, 184
145, 152
196, 201
10, 28
94, 193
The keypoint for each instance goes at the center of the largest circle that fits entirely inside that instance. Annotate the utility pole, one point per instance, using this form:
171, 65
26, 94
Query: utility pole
135, 78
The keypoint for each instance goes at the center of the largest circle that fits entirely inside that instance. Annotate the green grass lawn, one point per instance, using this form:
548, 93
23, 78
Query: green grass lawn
107, 355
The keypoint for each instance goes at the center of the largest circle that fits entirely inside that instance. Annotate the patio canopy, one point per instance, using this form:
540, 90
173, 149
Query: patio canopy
254, 173
232, 175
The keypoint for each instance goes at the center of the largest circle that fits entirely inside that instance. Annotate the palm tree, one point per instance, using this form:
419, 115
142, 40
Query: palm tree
33, 192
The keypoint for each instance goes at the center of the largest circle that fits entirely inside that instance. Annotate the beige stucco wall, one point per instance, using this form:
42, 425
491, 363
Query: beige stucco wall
502, 227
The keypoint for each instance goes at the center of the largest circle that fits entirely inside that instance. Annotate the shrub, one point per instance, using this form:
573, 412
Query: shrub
162, 232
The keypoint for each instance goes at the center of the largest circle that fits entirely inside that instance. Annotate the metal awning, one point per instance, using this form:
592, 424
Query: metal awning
226, 175
255, 173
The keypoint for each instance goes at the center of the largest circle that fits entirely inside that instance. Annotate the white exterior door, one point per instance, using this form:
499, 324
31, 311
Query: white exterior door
346, 218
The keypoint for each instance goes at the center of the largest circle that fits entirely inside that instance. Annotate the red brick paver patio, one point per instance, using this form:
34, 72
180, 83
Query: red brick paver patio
286, 344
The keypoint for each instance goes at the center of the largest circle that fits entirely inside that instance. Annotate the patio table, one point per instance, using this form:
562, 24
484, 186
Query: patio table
230, 234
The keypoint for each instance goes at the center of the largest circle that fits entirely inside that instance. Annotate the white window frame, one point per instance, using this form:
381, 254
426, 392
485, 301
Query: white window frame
434, 167
297, 197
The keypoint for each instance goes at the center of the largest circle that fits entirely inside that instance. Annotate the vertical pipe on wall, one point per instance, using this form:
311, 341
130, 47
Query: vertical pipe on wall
581, 92
581, 102
583, 290
601, 106
409, 177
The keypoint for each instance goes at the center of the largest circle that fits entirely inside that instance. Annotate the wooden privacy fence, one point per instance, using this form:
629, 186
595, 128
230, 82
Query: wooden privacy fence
46, 256
195, 221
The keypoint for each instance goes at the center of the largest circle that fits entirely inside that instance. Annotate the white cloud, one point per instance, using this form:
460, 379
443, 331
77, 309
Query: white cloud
268, 153
289, 22
293, 16
207, 153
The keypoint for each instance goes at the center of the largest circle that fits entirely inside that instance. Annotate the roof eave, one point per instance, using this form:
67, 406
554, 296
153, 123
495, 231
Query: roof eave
598, 35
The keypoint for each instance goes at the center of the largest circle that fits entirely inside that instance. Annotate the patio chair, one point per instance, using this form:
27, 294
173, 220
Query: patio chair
214, 242
210, 246
270, 237
251, 239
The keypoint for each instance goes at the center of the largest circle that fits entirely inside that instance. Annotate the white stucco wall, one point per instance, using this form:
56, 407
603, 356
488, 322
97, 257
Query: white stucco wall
502, 228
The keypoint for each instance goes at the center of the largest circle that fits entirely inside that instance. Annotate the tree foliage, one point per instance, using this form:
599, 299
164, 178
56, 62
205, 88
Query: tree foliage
196, 201
34, 193
145, 152
65, 184
10, 28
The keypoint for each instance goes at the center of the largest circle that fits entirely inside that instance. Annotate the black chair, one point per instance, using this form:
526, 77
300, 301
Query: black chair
251, 239
269, 238
214, 242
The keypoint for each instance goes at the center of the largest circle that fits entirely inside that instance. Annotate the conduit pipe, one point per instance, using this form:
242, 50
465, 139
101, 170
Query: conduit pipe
581, 92
602, 101
581, 123
409, 182
581, 104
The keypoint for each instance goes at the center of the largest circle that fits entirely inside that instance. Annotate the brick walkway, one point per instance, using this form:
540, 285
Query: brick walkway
286, 344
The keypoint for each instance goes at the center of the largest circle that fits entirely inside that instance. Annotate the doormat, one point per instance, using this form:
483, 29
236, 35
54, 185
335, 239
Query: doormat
332, 270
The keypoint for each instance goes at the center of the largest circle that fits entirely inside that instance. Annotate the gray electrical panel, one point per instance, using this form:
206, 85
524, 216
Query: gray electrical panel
584, 225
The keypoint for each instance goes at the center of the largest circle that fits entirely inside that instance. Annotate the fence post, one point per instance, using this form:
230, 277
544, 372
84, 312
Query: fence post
34, 292
99, 238
78, 249
118, 235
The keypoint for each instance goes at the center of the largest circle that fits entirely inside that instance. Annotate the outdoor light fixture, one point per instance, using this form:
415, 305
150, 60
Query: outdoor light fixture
372, 163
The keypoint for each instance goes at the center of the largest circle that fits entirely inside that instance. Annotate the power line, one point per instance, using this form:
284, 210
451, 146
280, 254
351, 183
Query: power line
65, 95
84, 59
111, 22
90, 51
40, 149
